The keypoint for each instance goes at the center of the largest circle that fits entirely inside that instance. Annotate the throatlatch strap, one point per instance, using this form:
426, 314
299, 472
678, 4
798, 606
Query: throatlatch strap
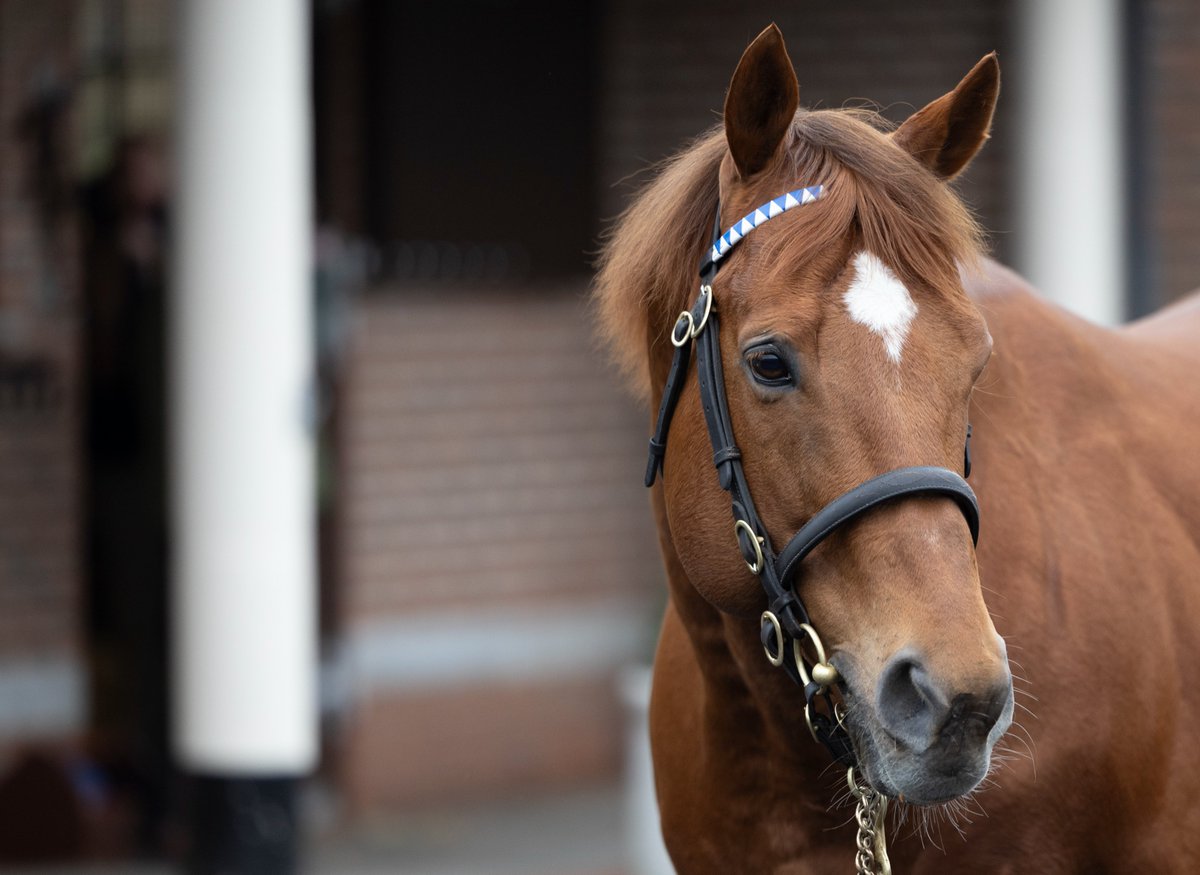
679, 364
666, 409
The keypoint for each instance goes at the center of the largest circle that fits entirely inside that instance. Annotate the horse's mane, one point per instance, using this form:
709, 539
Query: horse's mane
905, 215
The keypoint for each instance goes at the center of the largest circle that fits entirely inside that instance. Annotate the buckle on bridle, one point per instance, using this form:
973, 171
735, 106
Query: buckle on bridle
688, 322
754, 560
685, 319
771, 630
706, 294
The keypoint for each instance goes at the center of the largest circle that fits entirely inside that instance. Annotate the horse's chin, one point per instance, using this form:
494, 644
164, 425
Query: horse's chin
935, 776
921, 786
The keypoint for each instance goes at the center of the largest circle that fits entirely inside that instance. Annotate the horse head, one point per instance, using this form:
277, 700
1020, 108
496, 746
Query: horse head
849, 349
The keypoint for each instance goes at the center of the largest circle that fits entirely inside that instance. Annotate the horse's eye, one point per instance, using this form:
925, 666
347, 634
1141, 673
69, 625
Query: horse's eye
768, 366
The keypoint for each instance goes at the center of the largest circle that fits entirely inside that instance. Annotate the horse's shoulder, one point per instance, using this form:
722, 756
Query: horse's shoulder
989, 280
1178, 322
1020, 320
1165, 339
1001, 294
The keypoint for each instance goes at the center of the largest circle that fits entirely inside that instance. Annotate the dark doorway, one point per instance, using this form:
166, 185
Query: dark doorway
479, 132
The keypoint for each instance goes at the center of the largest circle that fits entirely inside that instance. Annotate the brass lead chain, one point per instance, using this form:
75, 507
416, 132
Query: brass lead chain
864, 858
881, 853
871, 857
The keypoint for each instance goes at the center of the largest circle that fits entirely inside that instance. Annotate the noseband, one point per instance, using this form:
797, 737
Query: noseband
785, 623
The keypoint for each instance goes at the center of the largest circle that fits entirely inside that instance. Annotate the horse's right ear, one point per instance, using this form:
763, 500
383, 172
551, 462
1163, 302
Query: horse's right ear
761, 102
946, 134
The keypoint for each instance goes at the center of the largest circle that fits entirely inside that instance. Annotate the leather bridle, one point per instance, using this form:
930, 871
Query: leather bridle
785, 624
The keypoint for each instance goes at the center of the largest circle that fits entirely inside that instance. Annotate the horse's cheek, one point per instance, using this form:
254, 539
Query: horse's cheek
704, 541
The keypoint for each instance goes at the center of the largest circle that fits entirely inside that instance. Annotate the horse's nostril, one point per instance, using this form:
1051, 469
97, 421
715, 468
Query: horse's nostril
919, 712
977, 714
910, 705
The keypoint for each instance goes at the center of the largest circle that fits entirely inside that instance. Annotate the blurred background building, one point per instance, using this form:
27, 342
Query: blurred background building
487, 560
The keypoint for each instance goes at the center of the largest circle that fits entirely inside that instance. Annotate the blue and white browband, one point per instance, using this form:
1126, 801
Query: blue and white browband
769, 210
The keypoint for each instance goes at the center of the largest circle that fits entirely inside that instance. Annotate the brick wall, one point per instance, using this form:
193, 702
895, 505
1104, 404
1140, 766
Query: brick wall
499, 563
41, 673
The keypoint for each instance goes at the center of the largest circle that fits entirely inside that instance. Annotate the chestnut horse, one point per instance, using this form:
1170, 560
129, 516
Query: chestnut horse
861, 332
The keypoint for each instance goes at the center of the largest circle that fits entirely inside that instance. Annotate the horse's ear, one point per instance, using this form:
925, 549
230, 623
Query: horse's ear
946, 134
761, 102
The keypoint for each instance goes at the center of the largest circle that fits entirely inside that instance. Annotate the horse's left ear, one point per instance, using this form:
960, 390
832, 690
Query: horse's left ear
761, 102
946, 134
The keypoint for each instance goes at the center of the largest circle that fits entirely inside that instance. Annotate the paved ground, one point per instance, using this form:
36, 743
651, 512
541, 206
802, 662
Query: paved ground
557, 836
578, 834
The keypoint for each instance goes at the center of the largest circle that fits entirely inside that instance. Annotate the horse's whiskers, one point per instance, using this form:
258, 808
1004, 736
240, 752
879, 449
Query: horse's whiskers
1026, 710
1022, 735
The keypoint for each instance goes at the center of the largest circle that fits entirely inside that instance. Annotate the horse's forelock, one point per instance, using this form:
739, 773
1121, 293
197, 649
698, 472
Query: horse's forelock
907, 217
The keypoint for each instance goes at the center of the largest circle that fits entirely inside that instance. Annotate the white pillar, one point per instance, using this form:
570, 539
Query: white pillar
645, 850
244, 637
1071, 188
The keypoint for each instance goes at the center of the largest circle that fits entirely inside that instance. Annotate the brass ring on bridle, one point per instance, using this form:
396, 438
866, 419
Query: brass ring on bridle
824, 674
685, 319
856, 790
808, 720
776, 659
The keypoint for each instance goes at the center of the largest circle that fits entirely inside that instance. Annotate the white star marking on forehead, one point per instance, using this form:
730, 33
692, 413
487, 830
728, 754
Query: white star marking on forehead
877, 299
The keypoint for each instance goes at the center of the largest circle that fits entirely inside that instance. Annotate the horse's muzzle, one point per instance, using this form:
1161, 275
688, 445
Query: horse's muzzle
941, 737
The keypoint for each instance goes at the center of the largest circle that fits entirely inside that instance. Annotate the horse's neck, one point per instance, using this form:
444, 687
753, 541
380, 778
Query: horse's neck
1083, 435
1061, 383
1052, 375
